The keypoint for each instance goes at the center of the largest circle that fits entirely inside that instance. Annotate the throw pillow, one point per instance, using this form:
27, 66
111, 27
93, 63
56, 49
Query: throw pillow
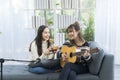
97, 58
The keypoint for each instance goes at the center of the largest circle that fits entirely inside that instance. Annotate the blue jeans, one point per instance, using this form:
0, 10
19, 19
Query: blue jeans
70, 71
40, 70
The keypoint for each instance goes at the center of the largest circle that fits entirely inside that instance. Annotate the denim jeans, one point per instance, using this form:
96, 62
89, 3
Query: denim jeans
39, 70
42, 70
70, 71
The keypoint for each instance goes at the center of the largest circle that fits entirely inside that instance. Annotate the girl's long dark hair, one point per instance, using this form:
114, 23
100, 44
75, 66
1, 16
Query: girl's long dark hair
38, 39
76, 26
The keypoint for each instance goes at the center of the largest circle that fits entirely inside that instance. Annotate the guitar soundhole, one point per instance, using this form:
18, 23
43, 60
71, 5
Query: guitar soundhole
70, 54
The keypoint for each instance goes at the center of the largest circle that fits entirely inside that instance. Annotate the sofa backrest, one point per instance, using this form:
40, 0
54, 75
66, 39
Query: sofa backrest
97, 58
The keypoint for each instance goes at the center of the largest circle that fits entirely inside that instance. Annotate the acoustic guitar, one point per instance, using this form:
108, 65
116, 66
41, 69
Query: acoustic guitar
71, 53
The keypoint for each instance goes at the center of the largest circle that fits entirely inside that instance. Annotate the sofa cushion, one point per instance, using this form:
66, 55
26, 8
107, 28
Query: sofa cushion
88, 76
20, 72
94, 66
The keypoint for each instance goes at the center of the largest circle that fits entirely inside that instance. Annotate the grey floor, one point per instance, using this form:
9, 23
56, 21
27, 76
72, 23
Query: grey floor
117, 72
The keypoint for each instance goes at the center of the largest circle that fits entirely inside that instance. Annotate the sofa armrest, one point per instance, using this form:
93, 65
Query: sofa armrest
107, 68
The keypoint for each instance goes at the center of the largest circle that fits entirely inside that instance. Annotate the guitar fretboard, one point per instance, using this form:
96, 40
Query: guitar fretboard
83, 51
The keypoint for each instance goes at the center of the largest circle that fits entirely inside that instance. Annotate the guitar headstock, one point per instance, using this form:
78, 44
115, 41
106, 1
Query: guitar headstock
94, 50
54, 48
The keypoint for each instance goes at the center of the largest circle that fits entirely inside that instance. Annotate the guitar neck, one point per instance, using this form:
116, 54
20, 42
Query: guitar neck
82, 52
77, 53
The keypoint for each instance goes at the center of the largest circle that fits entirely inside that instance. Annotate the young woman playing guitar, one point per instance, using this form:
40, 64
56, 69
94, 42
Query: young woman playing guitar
70, 70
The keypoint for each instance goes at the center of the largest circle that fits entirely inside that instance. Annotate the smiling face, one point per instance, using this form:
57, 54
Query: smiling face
46, 34
72, 33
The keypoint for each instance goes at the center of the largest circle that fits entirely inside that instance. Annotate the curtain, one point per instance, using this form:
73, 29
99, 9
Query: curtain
16, 28
107, 26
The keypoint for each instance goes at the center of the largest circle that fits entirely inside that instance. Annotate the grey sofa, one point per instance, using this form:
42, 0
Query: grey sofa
101, 68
